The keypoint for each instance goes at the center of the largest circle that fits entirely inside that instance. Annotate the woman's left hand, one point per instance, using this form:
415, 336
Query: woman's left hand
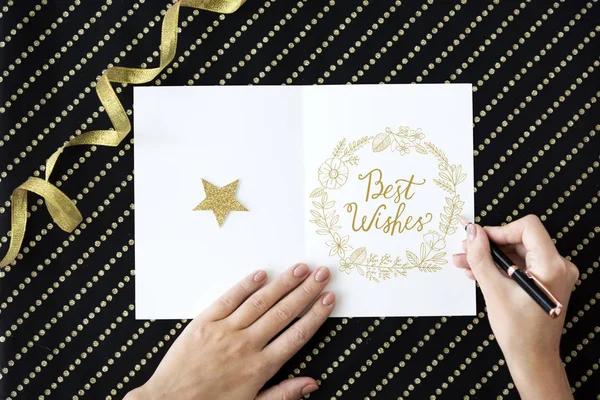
228, 351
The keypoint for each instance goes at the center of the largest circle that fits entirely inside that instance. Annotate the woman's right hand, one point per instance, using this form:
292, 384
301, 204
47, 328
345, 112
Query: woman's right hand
528, 337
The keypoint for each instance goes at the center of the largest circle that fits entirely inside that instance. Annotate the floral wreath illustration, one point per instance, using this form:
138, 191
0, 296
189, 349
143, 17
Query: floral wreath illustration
333, 174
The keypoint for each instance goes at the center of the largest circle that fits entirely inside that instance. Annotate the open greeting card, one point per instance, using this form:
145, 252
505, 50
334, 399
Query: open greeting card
368, 180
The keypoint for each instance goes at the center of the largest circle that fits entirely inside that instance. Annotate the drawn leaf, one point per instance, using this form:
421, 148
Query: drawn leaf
329, 214
358, 256
329, 204
335, 219
323, 232
317, 192
315, 214
429, 268
420, 149
440, 258
381, 142
337, 152
321, 224
444, 219
445, 176
423, 249
444, 185
360, 271
356, 145
317, 204
324, 198
412, 257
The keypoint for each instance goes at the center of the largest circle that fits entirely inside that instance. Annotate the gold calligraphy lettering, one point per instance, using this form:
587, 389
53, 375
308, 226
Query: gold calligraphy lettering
400, 192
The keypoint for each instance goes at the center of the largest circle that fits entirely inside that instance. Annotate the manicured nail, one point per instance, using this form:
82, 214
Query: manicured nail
260, 276
309, 389
328, 299
322, 274
300, 270
463, 220
471, 231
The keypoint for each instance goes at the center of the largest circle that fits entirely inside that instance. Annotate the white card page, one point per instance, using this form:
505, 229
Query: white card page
367, 180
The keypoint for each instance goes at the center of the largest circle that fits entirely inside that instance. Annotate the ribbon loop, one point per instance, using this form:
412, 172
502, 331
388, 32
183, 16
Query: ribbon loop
61, 208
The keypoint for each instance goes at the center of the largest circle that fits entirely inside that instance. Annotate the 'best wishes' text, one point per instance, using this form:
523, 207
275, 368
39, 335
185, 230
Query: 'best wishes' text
401, 191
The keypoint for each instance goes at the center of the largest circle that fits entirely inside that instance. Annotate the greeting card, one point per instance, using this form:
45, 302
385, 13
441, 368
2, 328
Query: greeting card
368, 180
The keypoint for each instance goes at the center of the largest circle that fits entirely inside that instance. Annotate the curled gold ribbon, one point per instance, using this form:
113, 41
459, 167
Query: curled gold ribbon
61, 208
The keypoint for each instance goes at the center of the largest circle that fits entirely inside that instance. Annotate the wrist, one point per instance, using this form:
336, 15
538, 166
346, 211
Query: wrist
137, 394
540, 377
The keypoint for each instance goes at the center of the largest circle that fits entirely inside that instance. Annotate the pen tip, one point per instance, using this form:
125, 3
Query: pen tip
464, 221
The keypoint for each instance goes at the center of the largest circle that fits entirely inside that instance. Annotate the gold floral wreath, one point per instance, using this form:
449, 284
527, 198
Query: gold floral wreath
333, 174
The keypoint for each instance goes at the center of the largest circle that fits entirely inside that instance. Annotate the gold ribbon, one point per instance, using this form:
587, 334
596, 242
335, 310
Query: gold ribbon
61, 208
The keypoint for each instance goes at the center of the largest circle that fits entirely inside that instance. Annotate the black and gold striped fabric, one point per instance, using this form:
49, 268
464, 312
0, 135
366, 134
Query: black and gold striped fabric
67, 323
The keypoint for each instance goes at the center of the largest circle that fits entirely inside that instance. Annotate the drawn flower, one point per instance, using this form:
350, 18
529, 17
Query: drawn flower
403, 130
434, 240
345, 265
416, 136
403, 148
333, 173
339, 245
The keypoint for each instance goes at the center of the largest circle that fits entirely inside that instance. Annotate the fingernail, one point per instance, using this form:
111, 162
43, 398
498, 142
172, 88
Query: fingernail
463, 220
322, 274
309, 389
471, 231
328, 299
260, 276
300, 270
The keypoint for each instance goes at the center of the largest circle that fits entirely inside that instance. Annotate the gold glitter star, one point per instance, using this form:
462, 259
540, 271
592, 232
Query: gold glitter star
221, 200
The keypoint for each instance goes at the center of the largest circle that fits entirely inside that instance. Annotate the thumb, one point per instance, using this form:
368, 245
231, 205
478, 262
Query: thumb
290, 389
480, 260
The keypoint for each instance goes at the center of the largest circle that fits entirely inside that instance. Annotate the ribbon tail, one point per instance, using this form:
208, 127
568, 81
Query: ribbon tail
18, 223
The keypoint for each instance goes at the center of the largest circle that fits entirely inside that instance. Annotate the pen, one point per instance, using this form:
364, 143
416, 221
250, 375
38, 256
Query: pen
525, 279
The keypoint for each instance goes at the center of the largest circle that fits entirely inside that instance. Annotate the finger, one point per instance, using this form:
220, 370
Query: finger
290, 389
282, 313
528, 231
231, 300
470, 274
261, 301
517, 248
490, 279
296, 336
460, 260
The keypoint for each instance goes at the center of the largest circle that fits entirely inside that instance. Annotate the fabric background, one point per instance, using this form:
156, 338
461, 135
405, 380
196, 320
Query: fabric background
67, 327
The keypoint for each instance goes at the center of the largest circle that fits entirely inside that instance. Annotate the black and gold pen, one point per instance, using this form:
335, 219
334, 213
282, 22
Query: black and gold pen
525, 279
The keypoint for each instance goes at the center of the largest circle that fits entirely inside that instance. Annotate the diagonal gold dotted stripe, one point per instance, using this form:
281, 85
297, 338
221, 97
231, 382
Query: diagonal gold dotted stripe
6, 7
48, 96
325, 44
36, 43
142, 362
111, 361
291, 45
13, 32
